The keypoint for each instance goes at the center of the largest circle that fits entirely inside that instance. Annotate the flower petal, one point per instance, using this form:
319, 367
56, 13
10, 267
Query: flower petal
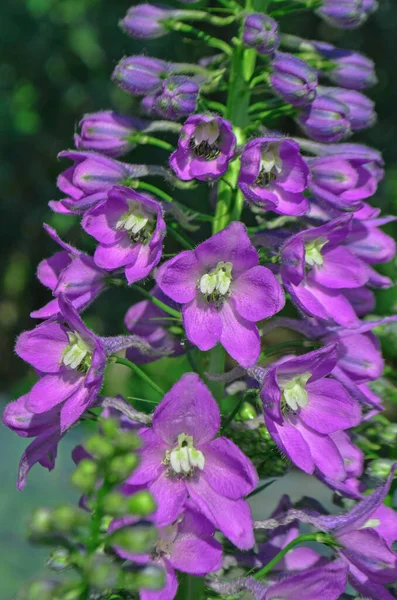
53, 389
178, 277
43, 347
202, 323
256, 294
170, 496
239, 337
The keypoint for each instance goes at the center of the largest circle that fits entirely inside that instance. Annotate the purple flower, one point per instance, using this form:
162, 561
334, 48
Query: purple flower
180, 458
302, 408
327, 582
340, 182
368, 242
293, 79
261, 32
274, 175
130, 229
353, 460
325, 120
145, 320
350, 69
140, 75
187, 546
224, 292
108, 133
44, 427
146, 21
315, 268
87, 181
176, 98
69, 272
346, 14
361, 113
205, 147
71, 361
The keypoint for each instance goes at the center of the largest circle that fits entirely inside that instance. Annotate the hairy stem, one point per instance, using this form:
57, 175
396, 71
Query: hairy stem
127, 363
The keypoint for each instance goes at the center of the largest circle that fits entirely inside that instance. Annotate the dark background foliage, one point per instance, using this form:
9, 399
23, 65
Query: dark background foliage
56, 61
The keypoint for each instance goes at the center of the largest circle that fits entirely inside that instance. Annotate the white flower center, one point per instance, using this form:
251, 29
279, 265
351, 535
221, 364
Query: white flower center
185, 458
371, 523
294, 391
207, 132
77, 353
313, 254
217, 282
271, 160
135, 220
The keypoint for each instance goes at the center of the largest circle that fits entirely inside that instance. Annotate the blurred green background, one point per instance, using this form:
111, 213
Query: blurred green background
56, 61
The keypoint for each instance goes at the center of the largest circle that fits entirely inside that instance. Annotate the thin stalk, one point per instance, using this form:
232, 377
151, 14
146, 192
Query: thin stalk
202, 35
175, 234
141, 138
310, 537
157, 302
217, 365
141, 374
260, 489
142, 185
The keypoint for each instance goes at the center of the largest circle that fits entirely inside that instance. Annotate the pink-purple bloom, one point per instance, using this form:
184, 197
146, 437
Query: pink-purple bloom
130, 229
140, 75
315, 268
188, 545
176, 98
224, 292
274, 175
325, 120
146, 21
107, 132
303, 408
71, 361
346, 14
293, 79
205, 147
350, 69
182, 458
69, 272
261, 32
361, 110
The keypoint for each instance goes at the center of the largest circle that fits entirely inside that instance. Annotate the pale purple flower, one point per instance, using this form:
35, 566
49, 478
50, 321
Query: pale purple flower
181, 458
108, 133
224, 292
69, 272
188, 545
176, 98
205, 147
369, 243
148, 321
346, 14
274, 175
146, 21
303, 408
341, 182
350, 69
353, 460
293, 79
45, 428
130, 228
325, 120
315, 267
71, 362
140, 75
261, 32
361, 110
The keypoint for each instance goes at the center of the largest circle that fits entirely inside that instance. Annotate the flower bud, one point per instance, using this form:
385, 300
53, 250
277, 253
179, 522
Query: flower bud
140, 75
145, 21
135, 539
326, 120
141, 504
115, 504
349, 69
103, 573
177, 98
389, 434
99, 447
120, 467
85, 476
247, 412
59, 560
107, 132
361, 113
40, 522
346, 14
261, 32
67, 518
380, 467
293, 79
127, 441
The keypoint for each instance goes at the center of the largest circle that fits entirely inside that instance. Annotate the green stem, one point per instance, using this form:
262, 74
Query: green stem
310, 537
127, 363
157, 302
217, 365
141, 138
201, 15
142, 185
175, 234
190, 587
201, 35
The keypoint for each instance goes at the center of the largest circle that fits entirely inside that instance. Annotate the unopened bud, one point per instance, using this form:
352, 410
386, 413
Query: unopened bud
85, 476
99, 446
66, 518
380, 467
40, 521
59, 560
136, 539
141, 504
115, 504
120, 467
247, 412
177, 98
127, 441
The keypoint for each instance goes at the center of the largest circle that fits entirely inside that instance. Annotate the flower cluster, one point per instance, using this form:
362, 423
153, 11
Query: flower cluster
283, 249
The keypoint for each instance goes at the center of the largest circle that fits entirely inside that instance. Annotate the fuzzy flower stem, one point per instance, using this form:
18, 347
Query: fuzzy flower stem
201, 15
127, 363
310, 537
155, 126
201, 35
142, 185
139, 138
164, 307
177, 236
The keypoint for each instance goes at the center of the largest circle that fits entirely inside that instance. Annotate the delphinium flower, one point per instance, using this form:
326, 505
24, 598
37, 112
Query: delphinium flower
326, 119
261, 32
346, 14
130, 229
150, 322
107, 132
176, 98
274, 175
71, 361
69, 272
302, 408
361, 113
188, 545
140, 75
182, 458
146, 21
205, 147
224, 292
293, 79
